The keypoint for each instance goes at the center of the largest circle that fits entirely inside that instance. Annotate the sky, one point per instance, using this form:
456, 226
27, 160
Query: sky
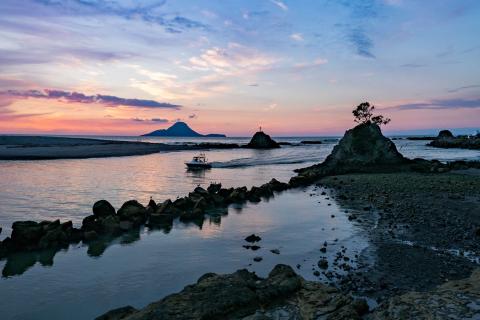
126, 67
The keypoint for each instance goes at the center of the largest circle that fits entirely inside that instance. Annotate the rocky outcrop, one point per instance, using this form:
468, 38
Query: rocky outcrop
362, 148
261, 140
446, 139
458, 299
243, 295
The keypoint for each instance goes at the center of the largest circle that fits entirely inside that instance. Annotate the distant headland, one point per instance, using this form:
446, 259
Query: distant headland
180, 129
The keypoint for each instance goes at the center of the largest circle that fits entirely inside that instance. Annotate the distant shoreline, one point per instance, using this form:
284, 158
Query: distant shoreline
50, 148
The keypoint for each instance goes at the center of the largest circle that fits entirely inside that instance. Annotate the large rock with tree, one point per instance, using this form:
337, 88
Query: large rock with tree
363, 148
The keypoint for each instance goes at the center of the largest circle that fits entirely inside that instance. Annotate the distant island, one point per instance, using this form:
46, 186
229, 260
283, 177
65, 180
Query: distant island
181, 129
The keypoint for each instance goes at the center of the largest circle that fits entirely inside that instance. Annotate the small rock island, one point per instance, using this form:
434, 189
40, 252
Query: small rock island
261, 140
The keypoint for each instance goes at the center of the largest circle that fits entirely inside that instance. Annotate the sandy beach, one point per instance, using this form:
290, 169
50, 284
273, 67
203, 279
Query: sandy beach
45, 148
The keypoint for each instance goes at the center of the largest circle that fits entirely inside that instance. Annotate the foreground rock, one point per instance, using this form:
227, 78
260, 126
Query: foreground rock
243, 295
446, 139
261, 140
453, 300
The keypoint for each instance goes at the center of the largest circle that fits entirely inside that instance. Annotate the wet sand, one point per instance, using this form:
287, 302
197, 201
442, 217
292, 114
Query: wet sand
427, 229
43, 148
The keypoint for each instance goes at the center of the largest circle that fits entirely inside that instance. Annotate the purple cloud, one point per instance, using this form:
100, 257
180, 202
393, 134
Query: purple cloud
79, 97
440, 104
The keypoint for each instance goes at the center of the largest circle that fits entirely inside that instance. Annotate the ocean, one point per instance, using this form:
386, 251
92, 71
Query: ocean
82, 282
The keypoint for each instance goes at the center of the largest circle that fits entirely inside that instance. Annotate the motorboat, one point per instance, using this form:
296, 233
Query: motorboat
199, 162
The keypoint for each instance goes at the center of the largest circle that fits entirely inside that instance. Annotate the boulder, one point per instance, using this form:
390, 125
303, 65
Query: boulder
362, 149
133, 211
90, 235
243, 295
445, 134
90, 223
26, 234
214, 188
161, 219
103, 208
119, 313
261, 140
253, 238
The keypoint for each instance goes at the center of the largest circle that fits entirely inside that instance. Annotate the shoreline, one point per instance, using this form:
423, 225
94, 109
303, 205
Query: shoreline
51, 148
413, 259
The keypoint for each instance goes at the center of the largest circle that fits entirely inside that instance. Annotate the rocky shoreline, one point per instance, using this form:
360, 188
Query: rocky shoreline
426, 234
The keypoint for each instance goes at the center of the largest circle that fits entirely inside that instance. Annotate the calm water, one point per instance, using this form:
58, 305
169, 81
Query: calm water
83, 282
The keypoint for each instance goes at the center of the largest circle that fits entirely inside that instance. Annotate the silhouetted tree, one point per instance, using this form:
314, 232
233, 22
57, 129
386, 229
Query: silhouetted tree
363, 113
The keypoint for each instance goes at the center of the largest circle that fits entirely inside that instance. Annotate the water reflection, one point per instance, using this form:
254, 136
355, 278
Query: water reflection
18, 263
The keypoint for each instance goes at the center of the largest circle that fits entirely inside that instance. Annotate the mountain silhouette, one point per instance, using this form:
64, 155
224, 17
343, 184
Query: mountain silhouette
180, 129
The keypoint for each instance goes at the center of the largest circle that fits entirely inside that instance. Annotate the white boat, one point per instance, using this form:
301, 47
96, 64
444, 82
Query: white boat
199, 162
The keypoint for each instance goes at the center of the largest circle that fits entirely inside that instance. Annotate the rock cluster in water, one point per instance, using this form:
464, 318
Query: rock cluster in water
446, 139
261, 140
243, 295
106, 222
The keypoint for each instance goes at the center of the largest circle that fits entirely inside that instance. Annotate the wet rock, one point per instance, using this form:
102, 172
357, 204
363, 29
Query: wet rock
110, 225
242, 295
125, 225
459, 299
362, 149
26, 234
103, 208
213, 188
238, 195
257, 259
254, 247
323, 264
261, 140
161, 219
275, 251
90, 223
120, 313
133, 211
253, 238
90, 235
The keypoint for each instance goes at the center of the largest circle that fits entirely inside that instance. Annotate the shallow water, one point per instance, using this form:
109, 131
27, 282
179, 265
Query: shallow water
144, 267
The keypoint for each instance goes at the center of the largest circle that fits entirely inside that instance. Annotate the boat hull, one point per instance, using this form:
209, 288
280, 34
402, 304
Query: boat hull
198, 165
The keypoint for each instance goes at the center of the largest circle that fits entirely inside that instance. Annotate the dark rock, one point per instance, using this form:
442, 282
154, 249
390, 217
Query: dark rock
125, 225
90, 235
253, 238
26, 234
117, 314
165, 206
275, 251
361, 306
257, 259
242, 295
214, 188
261, 140
311, 142
133, 211
103, 208
362, 149
323, 264
90, 223
445, 134
161, 219
152, 205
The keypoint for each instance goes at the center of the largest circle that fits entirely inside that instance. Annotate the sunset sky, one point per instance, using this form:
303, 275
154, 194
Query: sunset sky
126, 67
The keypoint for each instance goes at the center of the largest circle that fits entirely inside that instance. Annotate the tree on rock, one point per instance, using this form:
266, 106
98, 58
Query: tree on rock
363, 113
